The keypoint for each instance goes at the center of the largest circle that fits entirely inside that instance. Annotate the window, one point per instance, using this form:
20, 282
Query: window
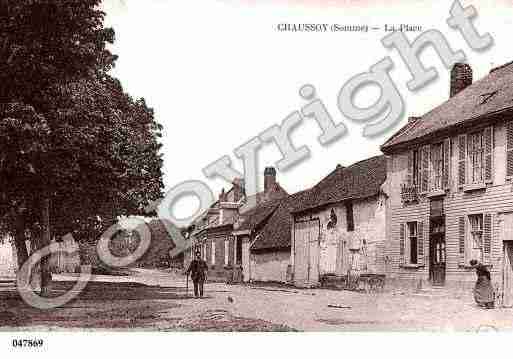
349, 216
226, 251
437, 164
416, 169
413, 242
475, 239
213, 252
333, 220
475, 156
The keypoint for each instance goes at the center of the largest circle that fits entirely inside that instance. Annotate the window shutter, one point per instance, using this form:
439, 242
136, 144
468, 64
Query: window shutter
487, 237
208, 254
509, 149
420, 243
231, 250
488, 153
424, 182
401, 243
462, 141
461, 237
409, 170
447, 163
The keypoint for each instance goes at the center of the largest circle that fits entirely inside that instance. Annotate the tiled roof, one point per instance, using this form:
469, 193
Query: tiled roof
272, 222
490, 95
360, 180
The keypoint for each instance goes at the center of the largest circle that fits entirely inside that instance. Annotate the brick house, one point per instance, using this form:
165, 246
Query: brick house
449, 176
340, 225
213, 232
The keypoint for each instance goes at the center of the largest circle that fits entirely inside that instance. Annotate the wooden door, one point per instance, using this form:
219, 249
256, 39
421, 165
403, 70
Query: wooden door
306, 253
437, 249
506, 228
437, 260
507, 286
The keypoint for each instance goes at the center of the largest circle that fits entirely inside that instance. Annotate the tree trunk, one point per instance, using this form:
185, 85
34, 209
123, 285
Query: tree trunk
45, 239
19, 240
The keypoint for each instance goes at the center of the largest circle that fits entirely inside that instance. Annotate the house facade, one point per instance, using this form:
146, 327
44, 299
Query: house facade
449, 180
340, 227
213, 235
8, 260
266, 234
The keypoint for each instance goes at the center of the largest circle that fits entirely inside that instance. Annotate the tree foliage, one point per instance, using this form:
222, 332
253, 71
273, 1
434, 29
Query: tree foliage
68, 131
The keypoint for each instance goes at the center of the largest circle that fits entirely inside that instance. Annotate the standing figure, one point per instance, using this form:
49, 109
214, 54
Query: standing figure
198, 269
483, 291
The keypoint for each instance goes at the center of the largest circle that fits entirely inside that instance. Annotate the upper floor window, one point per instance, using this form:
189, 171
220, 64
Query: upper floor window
349, 216
437, 165
476, 157
416, 168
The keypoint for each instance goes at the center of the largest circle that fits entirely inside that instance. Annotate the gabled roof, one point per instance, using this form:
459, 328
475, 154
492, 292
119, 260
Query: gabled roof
271, 222
491, 95
262, 198
360, 180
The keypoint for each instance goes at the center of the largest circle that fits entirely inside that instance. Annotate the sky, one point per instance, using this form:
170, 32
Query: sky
218, 73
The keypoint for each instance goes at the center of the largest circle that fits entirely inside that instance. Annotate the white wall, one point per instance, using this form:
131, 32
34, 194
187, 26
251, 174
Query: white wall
369, 233
270, 266
7, 259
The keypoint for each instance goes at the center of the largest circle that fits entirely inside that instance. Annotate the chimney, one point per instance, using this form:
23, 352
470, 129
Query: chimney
222, 196
461, 77
269, 179
238, 189
413, 118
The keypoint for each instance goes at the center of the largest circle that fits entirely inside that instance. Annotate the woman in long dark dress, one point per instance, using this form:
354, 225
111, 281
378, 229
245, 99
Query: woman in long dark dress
483, 291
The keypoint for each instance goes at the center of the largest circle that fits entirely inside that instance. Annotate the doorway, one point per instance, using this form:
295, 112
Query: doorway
306, 252
437, 244
507, 259
507, 287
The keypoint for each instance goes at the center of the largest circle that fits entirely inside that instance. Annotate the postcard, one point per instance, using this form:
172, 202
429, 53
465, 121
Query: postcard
326, 168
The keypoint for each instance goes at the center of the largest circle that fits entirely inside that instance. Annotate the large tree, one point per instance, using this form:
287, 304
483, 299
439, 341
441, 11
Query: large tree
75, 150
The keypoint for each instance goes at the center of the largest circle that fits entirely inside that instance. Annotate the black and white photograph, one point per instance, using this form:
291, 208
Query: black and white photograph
233, 166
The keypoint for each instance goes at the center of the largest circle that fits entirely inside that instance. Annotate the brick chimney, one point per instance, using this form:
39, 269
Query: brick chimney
461, 77
269, 179
238, 189
222, 196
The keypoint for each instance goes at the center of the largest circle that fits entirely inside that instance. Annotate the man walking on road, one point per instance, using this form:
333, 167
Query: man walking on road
198, 269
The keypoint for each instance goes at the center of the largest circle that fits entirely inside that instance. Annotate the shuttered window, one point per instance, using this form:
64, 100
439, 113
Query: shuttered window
213, 259
488, 153
475, 238
461, 240
474, 243
462, 144
487, 238
446, 163
476, 157
401, 243
424, 169
437, 166
509, 149
413, 243
420, 243
349, 216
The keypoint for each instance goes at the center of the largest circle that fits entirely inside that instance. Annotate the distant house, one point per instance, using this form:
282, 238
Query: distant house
213, 232
8, 259
266, 233
450, 177
340, 225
